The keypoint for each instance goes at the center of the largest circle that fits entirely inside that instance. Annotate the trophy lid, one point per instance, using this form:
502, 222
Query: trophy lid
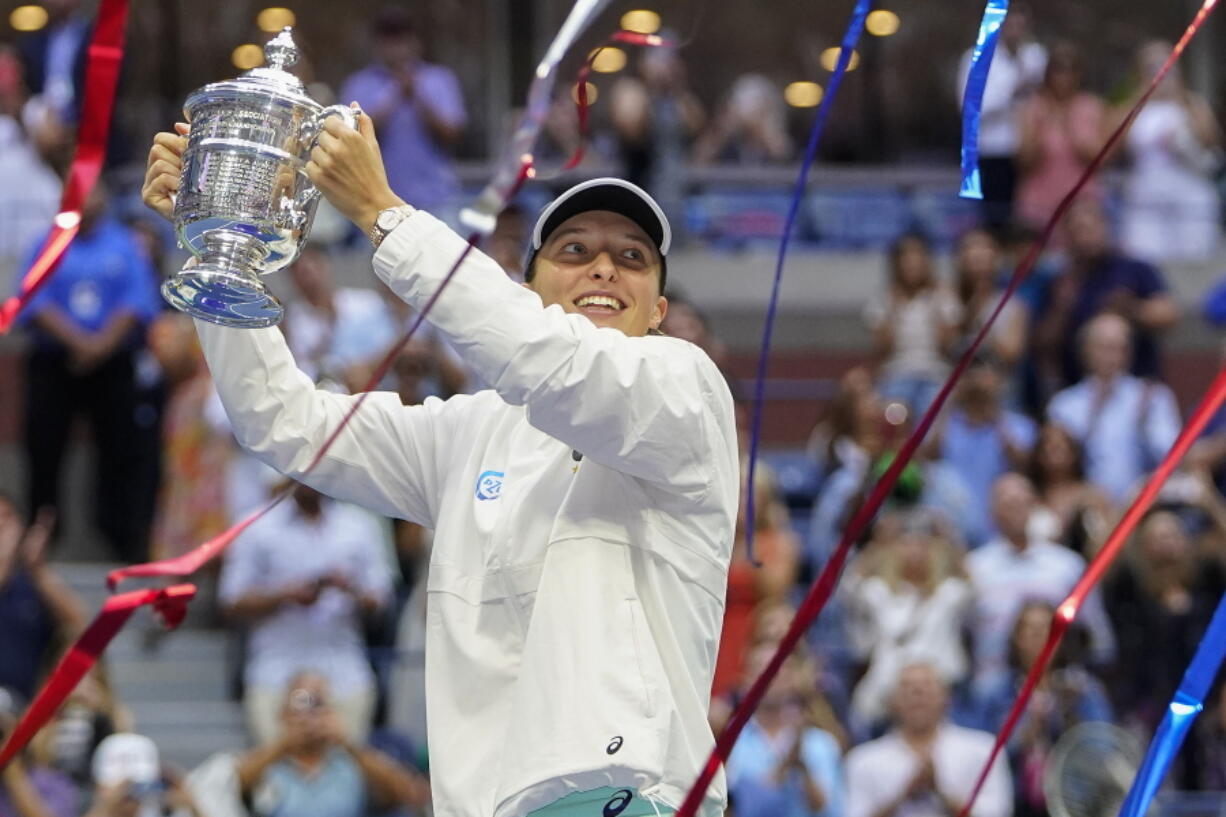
280, 53
269, 80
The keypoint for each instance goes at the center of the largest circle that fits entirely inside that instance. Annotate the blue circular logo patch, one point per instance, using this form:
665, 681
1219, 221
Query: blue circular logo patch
489, 485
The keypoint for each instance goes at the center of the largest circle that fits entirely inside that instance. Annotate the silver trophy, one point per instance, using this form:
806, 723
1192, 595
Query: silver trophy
245, 205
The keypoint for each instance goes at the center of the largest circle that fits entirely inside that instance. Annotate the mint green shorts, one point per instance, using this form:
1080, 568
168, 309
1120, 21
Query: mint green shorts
604, 802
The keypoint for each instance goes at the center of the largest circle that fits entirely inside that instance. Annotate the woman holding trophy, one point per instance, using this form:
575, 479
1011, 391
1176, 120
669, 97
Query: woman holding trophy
583, 506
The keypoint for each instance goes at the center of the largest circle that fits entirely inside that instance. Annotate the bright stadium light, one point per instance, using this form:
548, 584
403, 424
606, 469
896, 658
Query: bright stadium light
641, 21
247, 56
803, 94
272, 20
592, 93
28, 18
609, 61
882, 23
830, 58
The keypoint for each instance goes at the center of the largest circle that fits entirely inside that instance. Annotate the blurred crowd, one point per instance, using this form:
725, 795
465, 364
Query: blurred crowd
888, 706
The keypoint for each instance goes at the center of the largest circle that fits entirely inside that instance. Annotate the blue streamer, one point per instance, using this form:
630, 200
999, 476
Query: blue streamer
1188, 702
850, 38
972, 98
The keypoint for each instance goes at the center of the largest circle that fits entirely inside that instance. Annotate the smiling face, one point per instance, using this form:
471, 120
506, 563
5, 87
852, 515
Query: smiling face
602, 265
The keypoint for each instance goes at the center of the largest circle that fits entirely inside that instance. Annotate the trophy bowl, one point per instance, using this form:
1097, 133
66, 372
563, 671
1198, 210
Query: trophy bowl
245, 204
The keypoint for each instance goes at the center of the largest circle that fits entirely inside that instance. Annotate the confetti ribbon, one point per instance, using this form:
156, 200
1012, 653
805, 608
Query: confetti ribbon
101, 77
581, 101
169, 604
819, 593
482, 216
850, 38
1183, 710
972, 98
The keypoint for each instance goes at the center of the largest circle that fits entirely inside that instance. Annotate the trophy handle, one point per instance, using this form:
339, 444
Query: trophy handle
349, 116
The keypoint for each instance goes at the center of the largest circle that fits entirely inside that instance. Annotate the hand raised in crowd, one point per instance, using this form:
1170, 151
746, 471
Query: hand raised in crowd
162, 170
34, 543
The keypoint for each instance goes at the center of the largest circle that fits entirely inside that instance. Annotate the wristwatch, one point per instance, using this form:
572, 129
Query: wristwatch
388, 220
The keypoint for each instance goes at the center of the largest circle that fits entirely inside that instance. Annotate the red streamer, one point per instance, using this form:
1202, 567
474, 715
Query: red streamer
170, 604
101, 77
823, 586
581, 102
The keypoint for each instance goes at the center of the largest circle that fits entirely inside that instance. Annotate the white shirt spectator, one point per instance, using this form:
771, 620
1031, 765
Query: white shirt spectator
285, 549
879, 772
1125, 430
1010, 77
917, 324
363, 332
1005, 578
29, 194
894, 628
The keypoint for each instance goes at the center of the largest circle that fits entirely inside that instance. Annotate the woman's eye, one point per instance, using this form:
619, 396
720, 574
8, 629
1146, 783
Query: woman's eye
573, 247
633, 254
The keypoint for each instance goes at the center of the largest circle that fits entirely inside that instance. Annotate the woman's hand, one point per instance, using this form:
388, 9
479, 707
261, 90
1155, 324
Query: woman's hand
347, 167
162, 170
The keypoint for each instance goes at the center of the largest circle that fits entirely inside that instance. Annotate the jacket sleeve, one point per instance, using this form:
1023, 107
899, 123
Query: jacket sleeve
387, 458
655, 408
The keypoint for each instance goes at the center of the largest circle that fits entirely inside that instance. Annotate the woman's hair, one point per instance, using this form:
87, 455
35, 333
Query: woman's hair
964, 286
943, 554
1063, 54
900, 245
1034, 465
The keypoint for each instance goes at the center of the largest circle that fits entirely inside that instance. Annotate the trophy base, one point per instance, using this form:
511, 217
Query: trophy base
219, 295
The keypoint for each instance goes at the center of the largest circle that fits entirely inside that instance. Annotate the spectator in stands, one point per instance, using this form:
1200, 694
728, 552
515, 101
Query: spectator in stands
1208, 763
54, 58
417, 108
1067, 694
29, 788
781, 765
29, 189
750, 127
1124, 423
506, 244
192, 502
914, 324
749, 585
1071, 510
1160, 599
87, 717
978, 262
303, 579
907, 604
926, 766
981, 439
87, 326
1017, 69
1174, 147
339, 334
1061, 131
1015, 568
655, 115
1098, 279
130, 781
38, 610
317, 769
686, 321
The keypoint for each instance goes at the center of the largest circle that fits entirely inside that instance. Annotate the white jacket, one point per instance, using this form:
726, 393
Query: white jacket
574, 606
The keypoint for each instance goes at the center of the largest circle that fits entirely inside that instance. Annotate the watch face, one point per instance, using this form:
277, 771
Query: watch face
387, 220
